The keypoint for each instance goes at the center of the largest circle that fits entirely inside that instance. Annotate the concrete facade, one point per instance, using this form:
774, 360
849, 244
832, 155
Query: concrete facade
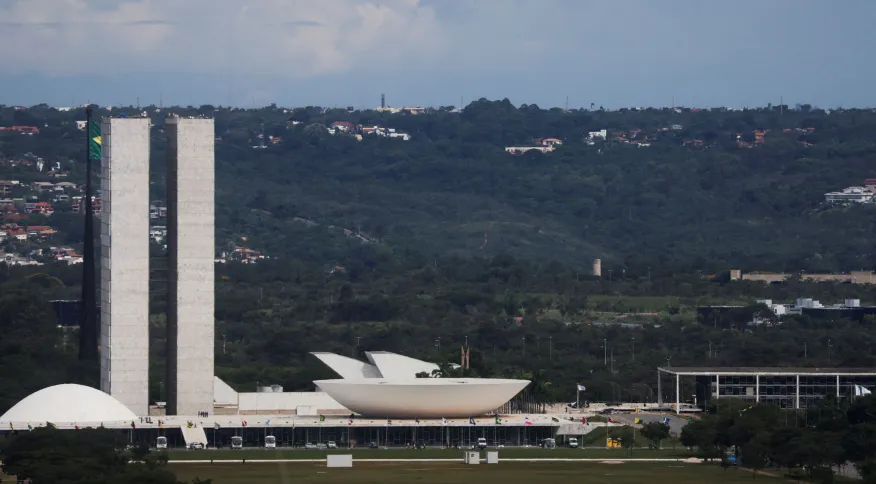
124, 267
191, 250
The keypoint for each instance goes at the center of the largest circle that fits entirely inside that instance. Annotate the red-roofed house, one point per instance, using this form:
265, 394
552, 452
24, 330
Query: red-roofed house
21, 129
44, 208
40, 231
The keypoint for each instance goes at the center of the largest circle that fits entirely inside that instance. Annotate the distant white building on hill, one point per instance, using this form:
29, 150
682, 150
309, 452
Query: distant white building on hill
850, 195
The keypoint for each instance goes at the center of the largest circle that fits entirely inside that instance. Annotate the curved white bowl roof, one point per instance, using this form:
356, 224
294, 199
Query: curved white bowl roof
68, 403
422, 397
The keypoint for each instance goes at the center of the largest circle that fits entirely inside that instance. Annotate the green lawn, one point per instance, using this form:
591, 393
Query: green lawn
516, 452
449, 473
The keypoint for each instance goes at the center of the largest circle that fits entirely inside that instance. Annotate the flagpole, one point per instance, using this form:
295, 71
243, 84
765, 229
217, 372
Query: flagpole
87, 330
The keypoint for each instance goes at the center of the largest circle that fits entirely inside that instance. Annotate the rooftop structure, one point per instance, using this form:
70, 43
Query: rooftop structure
348, 368
422, 397
389, 387
68, 403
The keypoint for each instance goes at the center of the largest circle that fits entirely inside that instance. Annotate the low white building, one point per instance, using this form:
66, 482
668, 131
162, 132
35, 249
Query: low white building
850, 195
519, 150
594, 135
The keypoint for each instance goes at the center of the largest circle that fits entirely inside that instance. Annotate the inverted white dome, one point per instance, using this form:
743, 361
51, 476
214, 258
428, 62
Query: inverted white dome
68, 403
422, 397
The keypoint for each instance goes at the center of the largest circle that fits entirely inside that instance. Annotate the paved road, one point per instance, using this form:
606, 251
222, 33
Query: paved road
545, 459
675, 423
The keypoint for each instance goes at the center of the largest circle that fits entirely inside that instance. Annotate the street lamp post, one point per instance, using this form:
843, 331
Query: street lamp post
634, 349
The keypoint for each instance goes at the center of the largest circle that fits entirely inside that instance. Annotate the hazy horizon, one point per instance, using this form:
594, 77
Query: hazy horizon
629, 53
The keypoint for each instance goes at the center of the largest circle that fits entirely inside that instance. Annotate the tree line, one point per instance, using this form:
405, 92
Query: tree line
814, 442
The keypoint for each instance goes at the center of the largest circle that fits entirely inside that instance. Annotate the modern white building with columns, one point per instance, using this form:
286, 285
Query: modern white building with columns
792, 388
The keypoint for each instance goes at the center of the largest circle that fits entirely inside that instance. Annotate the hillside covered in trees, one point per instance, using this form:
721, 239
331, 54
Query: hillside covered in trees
682, 189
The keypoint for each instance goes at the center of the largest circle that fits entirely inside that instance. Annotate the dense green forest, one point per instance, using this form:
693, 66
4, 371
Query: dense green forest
453, 190
519, 319
468, 244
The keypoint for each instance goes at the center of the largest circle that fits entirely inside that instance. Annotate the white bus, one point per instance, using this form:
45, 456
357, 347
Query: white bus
237, 442
270, 442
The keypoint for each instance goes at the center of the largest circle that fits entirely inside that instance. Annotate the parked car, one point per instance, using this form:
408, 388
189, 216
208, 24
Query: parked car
196, 446
310, 446
573, 443
331, 444
372, 445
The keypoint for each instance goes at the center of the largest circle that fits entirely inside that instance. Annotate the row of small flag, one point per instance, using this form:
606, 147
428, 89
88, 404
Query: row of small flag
77, 427
471, 421
53, 426
243, 423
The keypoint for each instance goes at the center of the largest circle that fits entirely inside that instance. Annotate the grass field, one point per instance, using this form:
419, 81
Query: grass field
516, 452
449, 473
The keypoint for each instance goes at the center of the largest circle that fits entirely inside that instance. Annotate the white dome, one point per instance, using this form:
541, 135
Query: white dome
68, 403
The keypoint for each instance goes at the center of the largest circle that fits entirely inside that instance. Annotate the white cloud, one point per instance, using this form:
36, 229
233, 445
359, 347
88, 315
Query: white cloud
285, 38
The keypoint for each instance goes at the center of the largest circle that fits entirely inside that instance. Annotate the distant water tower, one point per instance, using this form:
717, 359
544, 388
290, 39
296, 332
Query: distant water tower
597, 267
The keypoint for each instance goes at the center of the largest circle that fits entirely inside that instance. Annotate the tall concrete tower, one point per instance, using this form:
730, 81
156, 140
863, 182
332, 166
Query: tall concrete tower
191, 259
124, 268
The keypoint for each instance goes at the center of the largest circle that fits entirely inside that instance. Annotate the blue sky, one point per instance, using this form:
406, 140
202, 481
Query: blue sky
433, 52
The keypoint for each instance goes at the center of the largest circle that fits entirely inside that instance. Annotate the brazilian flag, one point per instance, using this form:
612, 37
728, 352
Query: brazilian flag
94, 140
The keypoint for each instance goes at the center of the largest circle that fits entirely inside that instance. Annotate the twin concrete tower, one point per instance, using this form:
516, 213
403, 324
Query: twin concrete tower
124, 267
